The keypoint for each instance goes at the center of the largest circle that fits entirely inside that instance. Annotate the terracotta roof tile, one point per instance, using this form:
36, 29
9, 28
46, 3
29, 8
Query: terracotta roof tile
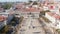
54, 15
29, 10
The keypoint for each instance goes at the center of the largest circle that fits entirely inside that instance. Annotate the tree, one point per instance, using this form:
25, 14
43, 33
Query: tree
30, 1
43, 12
35, 3
7, 6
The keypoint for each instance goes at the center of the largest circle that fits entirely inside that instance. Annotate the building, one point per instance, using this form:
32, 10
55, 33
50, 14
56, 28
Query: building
45, 8
26, 10
3, 21
29, 11
54, 18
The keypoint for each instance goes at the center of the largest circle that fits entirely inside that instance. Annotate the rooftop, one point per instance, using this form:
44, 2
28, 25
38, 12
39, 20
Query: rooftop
23, 8
54, 15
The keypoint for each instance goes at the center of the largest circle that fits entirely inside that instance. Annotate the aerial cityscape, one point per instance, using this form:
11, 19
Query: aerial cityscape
29, 17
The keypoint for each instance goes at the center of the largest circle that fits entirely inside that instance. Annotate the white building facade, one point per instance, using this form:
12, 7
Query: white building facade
54, 20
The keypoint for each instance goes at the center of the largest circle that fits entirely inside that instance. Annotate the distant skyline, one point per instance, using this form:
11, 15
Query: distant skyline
17, 0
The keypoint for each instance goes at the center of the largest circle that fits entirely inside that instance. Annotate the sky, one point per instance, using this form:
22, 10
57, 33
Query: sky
17, 0
13, 0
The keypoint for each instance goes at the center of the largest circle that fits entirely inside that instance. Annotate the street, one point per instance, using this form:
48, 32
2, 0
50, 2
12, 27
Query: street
33, 26
30, 17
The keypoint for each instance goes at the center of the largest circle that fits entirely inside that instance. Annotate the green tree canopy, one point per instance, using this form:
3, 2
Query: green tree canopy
7, 6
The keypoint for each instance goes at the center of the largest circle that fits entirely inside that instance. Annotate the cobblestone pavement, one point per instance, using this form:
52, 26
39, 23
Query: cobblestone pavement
31, 26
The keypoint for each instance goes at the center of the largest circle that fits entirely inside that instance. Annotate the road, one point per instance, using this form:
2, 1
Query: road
33, 26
